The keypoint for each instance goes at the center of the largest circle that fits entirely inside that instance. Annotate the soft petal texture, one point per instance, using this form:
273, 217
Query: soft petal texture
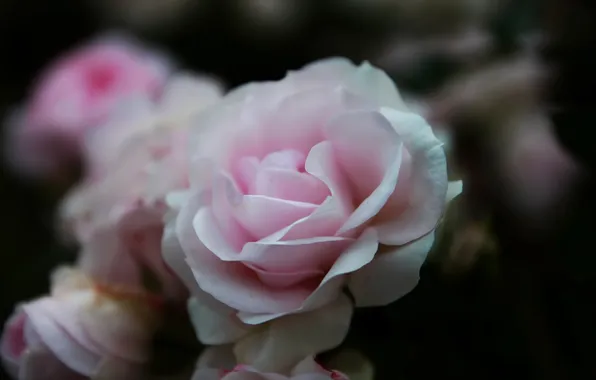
393, 268
75, 94
78, 331
134, 160
282, 342
306, 369
266, 346
299, 188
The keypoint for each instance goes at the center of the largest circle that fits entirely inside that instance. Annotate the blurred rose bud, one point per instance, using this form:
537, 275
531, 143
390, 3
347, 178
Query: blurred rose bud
133, 162
500, 106
537, 172
80, 331
75, 94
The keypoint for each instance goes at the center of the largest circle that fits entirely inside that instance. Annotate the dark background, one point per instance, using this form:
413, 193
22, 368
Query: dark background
527, 313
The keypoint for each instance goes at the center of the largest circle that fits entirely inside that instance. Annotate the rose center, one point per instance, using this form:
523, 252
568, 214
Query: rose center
253, 172
280, 175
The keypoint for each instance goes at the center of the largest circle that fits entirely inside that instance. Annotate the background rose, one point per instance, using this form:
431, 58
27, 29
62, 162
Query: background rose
307, 369
303, 186
77, 92
133, 161
80, 330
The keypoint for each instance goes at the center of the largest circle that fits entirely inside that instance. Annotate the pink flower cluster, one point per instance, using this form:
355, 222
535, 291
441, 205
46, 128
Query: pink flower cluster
273, 210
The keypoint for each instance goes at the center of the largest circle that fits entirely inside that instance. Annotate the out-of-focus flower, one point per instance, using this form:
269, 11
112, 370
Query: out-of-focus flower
307, 369
76, 93
82, 330
134, 161
531, 171
302, 187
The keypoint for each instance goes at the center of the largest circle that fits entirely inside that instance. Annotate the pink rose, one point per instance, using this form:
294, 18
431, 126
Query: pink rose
303, 187
134, 161
79, 331
307, 369
76, 93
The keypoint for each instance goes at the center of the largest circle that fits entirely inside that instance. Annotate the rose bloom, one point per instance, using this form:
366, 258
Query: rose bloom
134, 160
307, 369
81, 330
303, 187
76, 93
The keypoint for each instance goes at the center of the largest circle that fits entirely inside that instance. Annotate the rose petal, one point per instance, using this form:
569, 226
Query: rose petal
391, 275
212, 326
296, 123
67, 350
66, 315
356, 256
278, 279
286, 341
290, 185
369, 152
286, 256
428, 182
376, 86
232, 283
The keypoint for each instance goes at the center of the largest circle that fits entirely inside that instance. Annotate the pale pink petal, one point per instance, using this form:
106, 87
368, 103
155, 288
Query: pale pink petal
175, 258
286, 256
215, 327
290, 185
65, 312
370, 154
356, 256
262, 216
427, 182
325, 72
295, 124
391, 275
332, 213
285, 341
278, 279
232, 283
68, 351
376, 86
